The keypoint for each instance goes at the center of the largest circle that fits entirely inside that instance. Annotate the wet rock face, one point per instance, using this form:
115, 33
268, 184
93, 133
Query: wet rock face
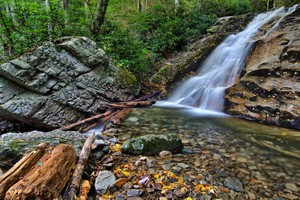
195, 53
269, 91
60, 83
152, 144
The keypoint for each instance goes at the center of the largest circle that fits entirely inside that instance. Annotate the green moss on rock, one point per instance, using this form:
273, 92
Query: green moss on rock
153, 144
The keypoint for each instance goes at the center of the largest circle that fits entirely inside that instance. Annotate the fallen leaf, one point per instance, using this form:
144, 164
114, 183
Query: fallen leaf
120, 182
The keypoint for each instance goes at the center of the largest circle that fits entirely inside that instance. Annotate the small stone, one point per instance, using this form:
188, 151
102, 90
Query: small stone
251, 195
113, 140
98, 155
120, 196
165, 154
242, 160
252, 167
150, 190
127, 186
183, 165
150, 163
104, 180
216, 156
134, 192
292, 187
234, 184
1, 172
105, 149
133, 119
186, 151
167, 166
100, 143
181, 192
134, 198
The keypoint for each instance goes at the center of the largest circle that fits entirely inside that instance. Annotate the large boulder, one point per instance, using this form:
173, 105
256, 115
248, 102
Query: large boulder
190, 58
269, 90
59, 83
152, 144
14, 145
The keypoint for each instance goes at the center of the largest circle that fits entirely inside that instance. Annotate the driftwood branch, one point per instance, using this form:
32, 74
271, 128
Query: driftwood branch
72, 189
20, 169
48, 177
96, 118
113, 109
129, 104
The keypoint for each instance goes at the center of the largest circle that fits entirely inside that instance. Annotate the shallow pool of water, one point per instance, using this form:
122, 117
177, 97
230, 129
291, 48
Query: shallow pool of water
267, 154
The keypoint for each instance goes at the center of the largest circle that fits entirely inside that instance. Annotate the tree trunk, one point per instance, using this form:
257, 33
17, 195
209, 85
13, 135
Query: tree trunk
99, 17
139, 5
50, 27
8, 44
65, 4
176, 5
49, 176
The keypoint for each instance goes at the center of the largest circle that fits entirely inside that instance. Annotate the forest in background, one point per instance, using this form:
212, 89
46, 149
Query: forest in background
136, 33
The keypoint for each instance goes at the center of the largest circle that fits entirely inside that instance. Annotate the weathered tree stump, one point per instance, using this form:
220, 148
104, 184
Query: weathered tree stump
20, 169
49, 176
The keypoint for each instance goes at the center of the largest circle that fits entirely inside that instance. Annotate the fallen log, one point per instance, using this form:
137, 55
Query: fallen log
49, 176
117, 119
129, 104
149, 97
114, 108
94, 119
72, 188
20, 169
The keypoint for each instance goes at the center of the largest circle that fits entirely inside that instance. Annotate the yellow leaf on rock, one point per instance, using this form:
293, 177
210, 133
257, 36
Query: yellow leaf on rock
188, 198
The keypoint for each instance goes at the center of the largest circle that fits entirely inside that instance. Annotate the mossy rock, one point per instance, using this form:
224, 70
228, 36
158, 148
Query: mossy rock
152, 144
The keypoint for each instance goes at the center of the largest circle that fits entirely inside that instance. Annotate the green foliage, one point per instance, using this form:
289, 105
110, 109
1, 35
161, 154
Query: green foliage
126, 49
225, 7
135, 39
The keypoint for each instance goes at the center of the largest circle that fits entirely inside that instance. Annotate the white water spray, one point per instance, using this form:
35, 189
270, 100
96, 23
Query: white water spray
223, 67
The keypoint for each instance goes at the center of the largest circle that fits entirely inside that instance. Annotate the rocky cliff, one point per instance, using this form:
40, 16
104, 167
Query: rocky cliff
269, 89
59, 83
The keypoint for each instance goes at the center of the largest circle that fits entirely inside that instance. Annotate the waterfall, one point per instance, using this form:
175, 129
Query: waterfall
223, 67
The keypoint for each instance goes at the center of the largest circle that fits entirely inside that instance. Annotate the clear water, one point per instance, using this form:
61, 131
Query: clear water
223, 67
269, 154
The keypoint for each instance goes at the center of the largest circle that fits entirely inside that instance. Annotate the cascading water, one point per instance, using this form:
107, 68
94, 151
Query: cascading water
223, 67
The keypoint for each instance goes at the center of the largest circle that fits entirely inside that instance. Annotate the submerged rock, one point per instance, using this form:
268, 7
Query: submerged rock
234, 184
153, 144
14, 145
269, 89
60, 83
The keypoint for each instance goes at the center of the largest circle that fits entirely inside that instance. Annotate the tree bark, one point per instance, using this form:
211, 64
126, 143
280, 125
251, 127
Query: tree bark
72, 189
20, 169
99, 17
49, 176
